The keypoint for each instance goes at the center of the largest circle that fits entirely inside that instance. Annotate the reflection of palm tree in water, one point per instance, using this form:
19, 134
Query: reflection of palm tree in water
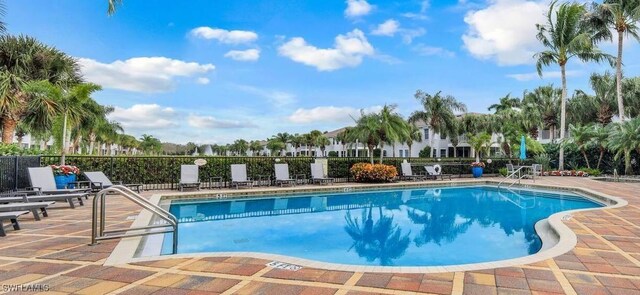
437, 224
381, 240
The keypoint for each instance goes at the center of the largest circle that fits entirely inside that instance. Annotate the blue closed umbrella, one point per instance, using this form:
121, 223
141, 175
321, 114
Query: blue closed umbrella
523, 148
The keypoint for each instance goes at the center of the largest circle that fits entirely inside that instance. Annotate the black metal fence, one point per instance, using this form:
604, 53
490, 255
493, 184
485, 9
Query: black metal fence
13, 171
163, 172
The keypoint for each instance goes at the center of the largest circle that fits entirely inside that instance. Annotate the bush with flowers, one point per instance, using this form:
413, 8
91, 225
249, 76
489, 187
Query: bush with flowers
478, 164
65, 170
365, 172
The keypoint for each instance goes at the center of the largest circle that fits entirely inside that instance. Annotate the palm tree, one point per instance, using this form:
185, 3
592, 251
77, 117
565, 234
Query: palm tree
72, 110
3, 12
367, 131
481, 143
437, 113
582, 137
322, 142
546, 101
623, 17
413, 134
623, 139
255, 147
310, 140
23, 60
297, 141
393, 127
150, 144
600, 138
631, 95
113, 4
506, 103
565, 35
275, 146
601, 106
343, 138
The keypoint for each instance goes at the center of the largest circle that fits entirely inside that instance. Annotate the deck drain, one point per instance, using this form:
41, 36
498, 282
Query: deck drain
285, 266
131, 217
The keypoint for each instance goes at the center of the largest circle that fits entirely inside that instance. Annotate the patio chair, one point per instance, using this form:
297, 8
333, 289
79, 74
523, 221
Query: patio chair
189, 177
99, 181
33, 207
536, 169
11, 216
35, 196
407, 172
431, 171
282, 175
42, 180
317, 174
239, 176
510, 170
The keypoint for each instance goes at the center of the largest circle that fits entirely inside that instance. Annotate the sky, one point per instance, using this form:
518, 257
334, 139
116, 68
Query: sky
215, 71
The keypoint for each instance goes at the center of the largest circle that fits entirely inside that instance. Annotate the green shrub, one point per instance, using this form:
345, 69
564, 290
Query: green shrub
333, 154
591, 171
503, 171
425, 152
15, 150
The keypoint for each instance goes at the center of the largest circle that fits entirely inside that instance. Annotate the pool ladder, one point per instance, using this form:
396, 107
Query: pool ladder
98, 233
520, 177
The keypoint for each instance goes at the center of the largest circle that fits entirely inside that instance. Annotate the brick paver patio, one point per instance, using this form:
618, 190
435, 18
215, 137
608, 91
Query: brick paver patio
53, 253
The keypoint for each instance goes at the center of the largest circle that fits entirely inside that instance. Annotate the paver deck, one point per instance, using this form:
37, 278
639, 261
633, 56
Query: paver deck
54, 254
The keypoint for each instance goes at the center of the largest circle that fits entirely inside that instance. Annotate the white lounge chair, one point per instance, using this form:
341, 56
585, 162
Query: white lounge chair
407, 172
99, 181
239, 176
317, 174
431, 171
42, 180
189, 177
282, 175
27, 206
35, 196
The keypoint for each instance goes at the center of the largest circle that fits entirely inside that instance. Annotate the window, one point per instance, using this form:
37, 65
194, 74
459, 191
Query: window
443, 136
443, 153
426, 133
406, 154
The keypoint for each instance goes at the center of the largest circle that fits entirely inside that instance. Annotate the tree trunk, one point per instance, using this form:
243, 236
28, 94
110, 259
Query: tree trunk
8, 128
64, 140
432, 152
586, 159
627, 163
619, 76
381, 151
600, 158
409, 145
563, 114
370, 147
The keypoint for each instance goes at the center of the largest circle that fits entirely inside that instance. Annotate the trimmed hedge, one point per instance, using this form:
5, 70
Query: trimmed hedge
162, 172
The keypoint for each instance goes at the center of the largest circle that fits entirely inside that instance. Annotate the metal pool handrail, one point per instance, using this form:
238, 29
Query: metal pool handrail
513, 174
99, 208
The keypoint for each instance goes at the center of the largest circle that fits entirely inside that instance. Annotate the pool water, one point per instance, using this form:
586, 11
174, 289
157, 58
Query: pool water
401, 227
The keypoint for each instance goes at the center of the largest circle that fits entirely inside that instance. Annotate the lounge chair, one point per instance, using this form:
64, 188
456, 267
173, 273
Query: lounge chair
99, 181
42, 180
239, 176
407, 172
11, 216
189, 177
282, 175
33, 207
431, 171
36, 196
317, 174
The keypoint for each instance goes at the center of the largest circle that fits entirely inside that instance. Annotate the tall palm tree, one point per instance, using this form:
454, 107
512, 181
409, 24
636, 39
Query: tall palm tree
367, 131
481, 144
600, 138
565, 36
413, 134
393, 127
546, 101
343, 138
3, 12
623, 17
297, 141
310, 140
322, 142
623, 139
601, 106
438, 113
506, 103
113, 5
631, 95
582, 137
72, 110
24, 59
255, 147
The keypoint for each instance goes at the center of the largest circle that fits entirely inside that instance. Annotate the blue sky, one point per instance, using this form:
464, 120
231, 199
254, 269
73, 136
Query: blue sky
214, 71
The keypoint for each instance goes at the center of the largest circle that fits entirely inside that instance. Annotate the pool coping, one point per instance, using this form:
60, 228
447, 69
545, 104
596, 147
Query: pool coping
127, 248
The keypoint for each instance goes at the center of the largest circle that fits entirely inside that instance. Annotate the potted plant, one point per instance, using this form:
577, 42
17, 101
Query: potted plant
477, 168
65, 175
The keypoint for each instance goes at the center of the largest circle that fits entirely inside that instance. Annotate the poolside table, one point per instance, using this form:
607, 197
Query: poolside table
262, 178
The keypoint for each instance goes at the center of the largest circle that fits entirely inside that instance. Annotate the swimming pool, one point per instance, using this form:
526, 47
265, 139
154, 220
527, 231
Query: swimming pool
399, 227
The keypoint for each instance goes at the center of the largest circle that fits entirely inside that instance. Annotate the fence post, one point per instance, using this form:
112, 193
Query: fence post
15, 174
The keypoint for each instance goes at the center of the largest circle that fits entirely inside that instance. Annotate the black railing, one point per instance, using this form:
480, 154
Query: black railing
13, 171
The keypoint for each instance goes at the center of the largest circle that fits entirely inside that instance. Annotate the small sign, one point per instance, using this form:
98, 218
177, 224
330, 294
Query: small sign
200, 162
285, 266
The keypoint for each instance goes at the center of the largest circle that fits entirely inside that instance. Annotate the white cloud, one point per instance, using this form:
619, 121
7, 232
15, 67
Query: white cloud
505, 31
211, 122
348, 51
244, 55
145, 116
545, 75
356, 8
426, 50
276, 97
328, 114
141, 74
409, 34
225, 36
387, 28
203, 81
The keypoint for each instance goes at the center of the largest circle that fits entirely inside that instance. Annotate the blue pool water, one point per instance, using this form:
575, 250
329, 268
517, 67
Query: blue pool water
402, 227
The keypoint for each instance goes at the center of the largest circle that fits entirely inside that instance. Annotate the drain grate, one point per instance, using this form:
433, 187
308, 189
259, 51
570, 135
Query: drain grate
131, 217
284, 266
